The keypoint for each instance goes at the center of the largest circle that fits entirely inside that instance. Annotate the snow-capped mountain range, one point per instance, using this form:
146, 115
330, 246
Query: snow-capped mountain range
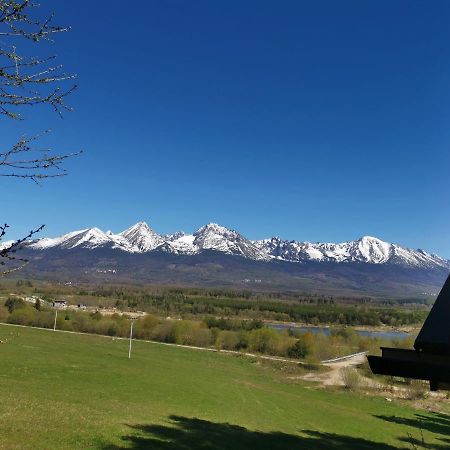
140, 238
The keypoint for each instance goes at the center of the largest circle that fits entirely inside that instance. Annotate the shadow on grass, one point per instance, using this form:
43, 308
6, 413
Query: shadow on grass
435, 423
190, 433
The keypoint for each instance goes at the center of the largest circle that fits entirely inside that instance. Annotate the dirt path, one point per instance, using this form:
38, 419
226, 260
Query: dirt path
333, 376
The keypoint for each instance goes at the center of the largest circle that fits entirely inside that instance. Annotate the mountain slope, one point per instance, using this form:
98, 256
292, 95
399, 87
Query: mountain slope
210, 268
221, 239
140, 238
364, 250
89, 238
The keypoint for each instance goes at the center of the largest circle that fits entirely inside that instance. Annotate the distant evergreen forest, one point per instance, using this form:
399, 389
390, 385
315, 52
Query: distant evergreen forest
186, 303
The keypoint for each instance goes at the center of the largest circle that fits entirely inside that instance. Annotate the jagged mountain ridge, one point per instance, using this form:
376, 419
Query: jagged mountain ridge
367, 249
140, 238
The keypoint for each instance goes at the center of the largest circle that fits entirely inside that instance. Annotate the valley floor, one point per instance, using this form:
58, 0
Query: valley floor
68, 391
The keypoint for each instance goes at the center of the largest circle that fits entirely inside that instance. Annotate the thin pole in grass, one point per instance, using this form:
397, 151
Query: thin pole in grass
56, 316
131, 338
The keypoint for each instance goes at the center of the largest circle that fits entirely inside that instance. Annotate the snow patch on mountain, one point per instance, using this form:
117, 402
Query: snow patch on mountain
6, 244
367, 249
221, 239
183, 244
88, 238
140, 238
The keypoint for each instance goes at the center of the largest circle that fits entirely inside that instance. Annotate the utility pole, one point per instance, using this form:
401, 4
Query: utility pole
131, 338
56, 316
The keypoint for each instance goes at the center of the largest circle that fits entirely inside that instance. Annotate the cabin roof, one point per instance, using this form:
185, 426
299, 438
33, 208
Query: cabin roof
434, 337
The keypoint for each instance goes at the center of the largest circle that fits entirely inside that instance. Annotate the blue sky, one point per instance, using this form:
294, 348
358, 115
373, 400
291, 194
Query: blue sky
319, 121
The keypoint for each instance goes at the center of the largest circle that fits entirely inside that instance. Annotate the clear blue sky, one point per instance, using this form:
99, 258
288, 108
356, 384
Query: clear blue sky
319, 121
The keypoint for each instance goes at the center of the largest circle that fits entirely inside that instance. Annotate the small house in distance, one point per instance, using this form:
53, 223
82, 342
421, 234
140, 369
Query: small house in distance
59, 304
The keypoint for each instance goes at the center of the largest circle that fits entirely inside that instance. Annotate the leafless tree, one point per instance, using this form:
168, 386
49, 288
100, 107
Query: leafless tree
28, 81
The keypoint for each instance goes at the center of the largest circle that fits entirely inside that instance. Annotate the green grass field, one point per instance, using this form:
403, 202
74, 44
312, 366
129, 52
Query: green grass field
67, 391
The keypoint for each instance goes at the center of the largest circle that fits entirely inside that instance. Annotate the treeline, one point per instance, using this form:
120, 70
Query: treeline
314, 311
193, 302
226, 334
143, 293
309, 314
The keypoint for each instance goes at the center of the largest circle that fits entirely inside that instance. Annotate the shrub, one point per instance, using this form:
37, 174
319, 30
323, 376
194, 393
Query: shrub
299, 350
202, 337
23, 316
416, 389
14, 303
264, 340
44, 319
97, 315
4, 313
306, 346
243, 340
163, 332
81, 322
149, 322
186, 332
113, 329
228, 340
144, 328
351, 378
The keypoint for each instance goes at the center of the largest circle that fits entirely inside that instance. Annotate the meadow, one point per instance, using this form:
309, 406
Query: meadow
71, 391
232, 334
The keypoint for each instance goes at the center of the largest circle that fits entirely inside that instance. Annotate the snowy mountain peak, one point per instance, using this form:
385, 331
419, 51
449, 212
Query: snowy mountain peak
141, 238
6, 244
216, 237
139, 226
369, 239
367, 249
174, 236
87, 238
213, 228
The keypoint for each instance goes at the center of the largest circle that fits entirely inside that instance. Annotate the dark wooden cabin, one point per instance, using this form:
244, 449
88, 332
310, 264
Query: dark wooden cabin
430, 359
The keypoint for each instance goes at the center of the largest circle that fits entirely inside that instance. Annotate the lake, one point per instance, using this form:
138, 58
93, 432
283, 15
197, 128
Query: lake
327, 331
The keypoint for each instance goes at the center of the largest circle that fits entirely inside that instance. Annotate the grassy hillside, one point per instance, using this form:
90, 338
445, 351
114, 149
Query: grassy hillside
67, 391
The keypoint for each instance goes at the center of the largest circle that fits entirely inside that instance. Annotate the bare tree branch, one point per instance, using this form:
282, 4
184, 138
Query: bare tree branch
24, 79
7, 252
29, 81
22, 161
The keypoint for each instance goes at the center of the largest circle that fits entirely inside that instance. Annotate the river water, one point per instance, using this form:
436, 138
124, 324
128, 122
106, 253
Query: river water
391, 335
